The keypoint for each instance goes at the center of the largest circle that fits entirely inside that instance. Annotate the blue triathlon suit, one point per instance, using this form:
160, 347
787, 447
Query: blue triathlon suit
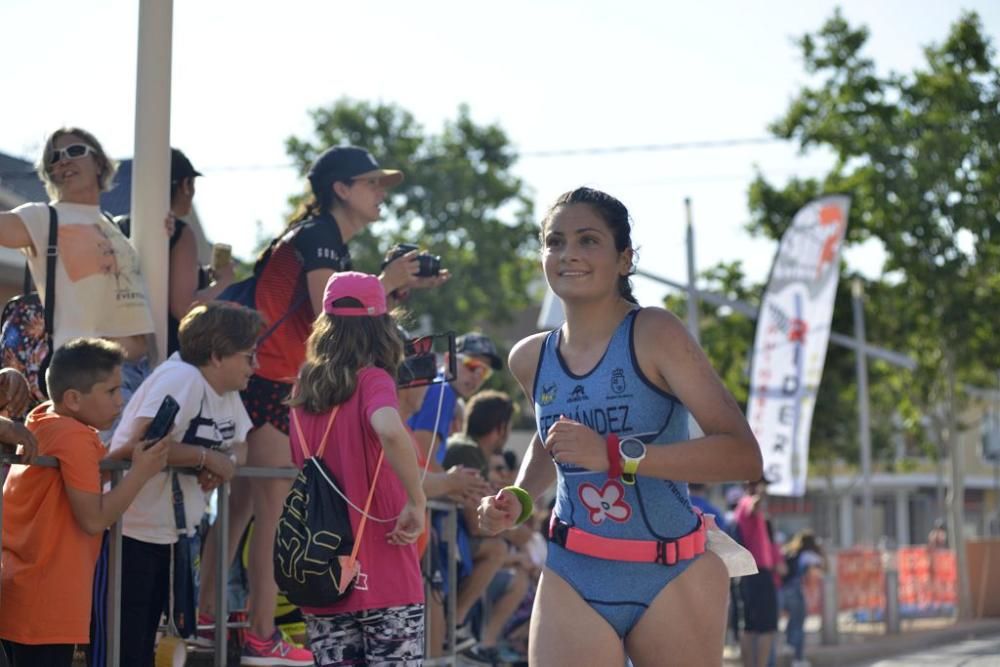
614, 397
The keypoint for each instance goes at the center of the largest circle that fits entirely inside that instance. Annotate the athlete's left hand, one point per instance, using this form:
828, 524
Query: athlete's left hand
573, 443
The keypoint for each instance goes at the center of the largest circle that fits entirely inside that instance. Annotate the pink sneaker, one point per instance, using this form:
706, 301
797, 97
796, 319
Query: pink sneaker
274, 651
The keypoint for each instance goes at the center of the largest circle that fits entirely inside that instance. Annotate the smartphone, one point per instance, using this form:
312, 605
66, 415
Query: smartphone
162, 423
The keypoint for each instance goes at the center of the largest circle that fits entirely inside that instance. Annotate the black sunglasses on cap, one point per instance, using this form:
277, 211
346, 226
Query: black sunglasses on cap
71, 152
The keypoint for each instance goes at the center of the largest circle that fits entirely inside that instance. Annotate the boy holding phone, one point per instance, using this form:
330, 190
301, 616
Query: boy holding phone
215, 361
53, 518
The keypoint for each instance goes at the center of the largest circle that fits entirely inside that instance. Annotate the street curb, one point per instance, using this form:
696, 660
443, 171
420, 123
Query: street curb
845, 655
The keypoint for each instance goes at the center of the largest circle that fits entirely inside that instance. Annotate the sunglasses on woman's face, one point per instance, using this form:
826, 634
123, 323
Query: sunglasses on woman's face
71, 152
477, 365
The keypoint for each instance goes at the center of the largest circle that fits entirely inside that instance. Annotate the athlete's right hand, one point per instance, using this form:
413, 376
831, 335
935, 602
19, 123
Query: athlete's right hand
148, 462
498, 513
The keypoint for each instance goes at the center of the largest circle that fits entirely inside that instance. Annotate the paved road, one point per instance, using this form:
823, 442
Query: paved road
983, 652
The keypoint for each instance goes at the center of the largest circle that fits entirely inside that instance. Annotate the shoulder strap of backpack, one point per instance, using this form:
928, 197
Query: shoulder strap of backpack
348, 568
302, 438
26, 287
265, 255
297, 301
51, 252
364, 515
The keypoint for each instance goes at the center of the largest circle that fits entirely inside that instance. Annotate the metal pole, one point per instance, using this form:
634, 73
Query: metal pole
847, 519
151, 165
956, 492
828, 630
903, 518
452, 538
996, 496
996, 464
222, 576
892, 622
114, 595
426, 565
692, 288
864, 423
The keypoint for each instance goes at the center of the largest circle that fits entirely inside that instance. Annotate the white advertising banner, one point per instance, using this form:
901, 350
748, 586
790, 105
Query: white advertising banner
793, 329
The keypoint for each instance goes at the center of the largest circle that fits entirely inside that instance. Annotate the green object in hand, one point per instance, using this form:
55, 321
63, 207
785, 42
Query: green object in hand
527, 505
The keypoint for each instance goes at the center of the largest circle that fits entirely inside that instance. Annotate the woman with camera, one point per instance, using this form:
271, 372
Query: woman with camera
348, 189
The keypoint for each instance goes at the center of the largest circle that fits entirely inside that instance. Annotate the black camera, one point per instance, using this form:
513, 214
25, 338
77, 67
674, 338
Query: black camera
430, 265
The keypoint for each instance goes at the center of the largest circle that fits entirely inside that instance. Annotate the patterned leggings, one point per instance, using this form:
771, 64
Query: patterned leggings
376, 637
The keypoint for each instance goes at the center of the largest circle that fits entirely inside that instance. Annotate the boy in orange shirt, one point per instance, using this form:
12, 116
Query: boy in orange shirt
53, 518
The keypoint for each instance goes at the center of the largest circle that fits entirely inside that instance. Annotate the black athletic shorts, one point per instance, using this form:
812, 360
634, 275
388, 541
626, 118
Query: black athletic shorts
265, 402
760, 602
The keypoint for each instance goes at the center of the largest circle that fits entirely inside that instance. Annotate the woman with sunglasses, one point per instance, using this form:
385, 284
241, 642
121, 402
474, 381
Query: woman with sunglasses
348, 189
627, 572
99, 291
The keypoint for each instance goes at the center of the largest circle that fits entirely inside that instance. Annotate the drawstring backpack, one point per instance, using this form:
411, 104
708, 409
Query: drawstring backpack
315, 553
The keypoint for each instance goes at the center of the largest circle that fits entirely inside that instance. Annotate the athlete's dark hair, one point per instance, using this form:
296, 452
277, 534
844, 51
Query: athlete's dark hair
615, 216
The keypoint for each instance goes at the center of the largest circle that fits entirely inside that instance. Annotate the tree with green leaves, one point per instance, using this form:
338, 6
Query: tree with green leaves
918, 153
727, 337
460, 201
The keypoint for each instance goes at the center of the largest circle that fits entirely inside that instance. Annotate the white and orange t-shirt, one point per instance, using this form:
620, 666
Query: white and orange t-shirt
47, 569
99, 289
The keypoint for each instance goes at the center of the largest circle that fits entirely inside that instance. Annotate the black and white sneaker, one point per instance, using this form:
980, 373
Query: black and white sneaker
480, 655
464, 639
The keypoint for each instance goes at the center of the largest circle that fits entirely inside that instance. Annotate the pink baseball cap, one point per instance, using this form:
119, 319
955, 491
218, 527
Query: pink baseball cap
364, 287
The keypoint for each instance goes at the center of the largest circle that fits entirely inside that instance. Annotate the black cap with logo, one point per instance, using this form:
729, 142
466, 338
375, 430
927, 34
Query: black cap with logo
479, 345
344, 163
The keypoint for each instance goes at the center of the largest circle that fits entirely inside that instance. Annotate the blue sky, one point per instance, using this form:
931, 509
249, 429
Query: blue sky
555, 75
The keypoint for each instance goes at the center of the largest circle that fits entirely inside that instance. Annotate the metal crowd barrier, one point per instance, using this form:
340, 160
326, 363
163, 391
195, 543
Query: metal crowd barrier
450, 537
116, 468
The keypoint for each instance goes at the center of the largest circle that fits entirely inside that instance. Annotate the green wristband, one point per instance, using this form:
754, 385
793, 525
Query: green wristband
527, 505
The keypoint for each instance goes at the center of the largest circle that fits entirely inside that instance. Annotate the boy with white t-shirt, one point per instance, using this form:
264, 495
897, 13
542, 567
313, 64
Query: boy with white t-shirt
216, 359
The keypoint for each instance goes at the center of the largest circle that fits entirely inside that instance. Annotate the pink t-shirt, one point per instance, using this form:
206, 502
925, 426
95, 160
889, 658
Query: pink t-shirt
753, 533
390, 575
